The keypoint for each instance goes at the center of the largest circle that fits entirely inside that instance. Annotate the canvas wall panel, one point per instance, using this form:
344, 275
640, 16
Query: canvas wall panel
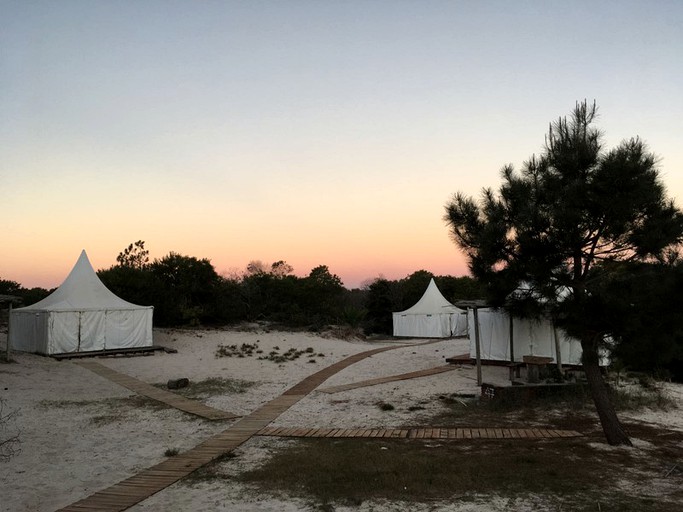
422, 326
92, 331
459, 324
28, 332
128, 329
63, 330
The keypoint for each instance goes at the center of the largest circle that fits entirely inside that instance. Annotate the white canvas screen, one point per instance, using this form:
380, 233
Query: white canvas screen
530, 338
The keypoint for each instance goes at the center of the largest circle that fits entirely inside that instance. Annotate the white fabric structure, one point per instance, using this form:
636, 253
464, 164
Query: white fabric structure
530, 338
431, 317
82, 315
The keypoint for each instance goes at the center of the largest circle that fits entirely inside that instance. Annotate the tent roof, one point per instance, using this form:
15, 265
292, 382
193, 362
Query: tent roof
82, 290
431, 303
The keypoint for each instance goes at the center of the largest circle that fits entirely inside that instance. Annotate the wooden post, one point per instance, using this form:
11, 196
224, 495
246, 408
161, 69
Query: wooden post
8, 355
512, 341
477, 344
558, 353
512, 349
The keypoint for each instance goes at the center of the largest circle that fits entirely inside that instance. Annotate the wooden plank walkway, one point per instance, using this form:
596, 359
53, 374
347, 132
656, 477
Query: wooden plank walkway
391, 378
144, 484
155, 393
421, 433
141, 486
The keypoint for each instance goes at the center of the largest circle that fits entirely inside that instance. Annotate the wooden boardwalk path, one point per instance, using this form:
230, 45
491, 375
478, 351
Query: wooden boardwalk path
421, 433
142, 388
391, 378
144, 484
141, 486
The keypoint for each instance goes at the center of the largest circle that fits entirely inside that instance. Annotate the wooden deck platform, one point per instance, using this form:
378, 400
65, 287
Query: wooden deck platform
421, 433
134, 351
155, 393
392, 378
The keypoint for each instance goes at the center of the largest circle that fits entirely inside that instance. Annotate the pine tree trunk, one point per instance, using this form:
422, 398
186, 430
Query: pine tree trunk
611, 426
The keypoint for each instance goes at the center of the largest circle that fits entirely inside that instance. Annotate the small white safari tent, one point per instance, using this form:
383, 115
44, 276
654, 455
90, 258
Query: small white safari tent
530, 338
431, 317
82, 315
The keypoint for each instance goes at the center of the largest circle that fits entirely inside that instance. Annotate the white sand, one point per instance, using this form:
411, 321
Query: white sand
80, 433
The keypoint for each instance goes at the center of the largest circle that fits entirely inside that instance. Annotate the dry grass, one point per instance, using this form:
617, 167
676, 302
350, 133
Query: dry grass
213, 386
109, 410
578, 474
572, 474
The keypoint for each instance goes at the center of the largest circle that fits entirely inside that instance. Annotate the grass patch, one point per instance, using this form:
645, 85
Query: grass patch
636, 397
213, 386
209, 472
571, 407
568, 473
106, 419
109, 410
556, 474
171, 452
107, 404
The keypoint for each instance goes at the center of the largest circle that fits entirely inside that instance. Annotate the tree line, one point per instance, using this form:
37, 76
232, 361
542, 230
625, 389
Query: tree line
188, 291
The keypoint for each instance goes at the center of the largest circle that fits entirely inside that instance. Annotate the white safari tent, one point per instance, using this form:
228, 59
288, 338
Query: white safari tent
529, 338
82, 315
431, 317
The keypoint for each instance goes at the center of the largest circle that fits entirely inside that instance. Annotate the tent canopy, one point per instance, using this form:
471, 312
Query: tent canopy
431, 317
81, 315
82, 290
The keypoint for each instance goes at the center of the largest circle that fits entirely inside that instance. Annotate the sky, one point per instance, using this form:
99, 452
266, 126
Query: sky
315, 132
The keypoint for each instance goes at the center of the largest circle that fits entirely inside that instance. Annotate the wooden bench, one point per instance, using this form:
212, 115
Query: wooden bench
514, 370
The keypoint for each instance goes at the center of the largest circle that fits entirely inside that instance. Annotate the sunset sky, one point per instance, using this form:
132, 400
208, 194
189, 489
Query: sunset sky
315, 132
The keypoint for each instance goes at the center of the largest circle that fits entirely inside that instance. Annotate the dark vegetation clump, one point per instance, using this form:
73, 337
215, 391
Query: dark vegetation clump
250, 350
213, 386
243, 350
385, 406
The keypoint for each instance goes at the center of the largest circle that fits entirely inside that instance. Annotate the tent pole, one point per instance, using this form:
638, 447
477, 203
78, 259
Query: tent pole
477, 344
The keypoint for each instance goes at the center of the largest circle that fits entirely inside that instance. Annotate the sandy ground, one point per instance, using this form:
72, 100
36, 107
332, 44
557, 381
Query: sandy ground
81, 433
